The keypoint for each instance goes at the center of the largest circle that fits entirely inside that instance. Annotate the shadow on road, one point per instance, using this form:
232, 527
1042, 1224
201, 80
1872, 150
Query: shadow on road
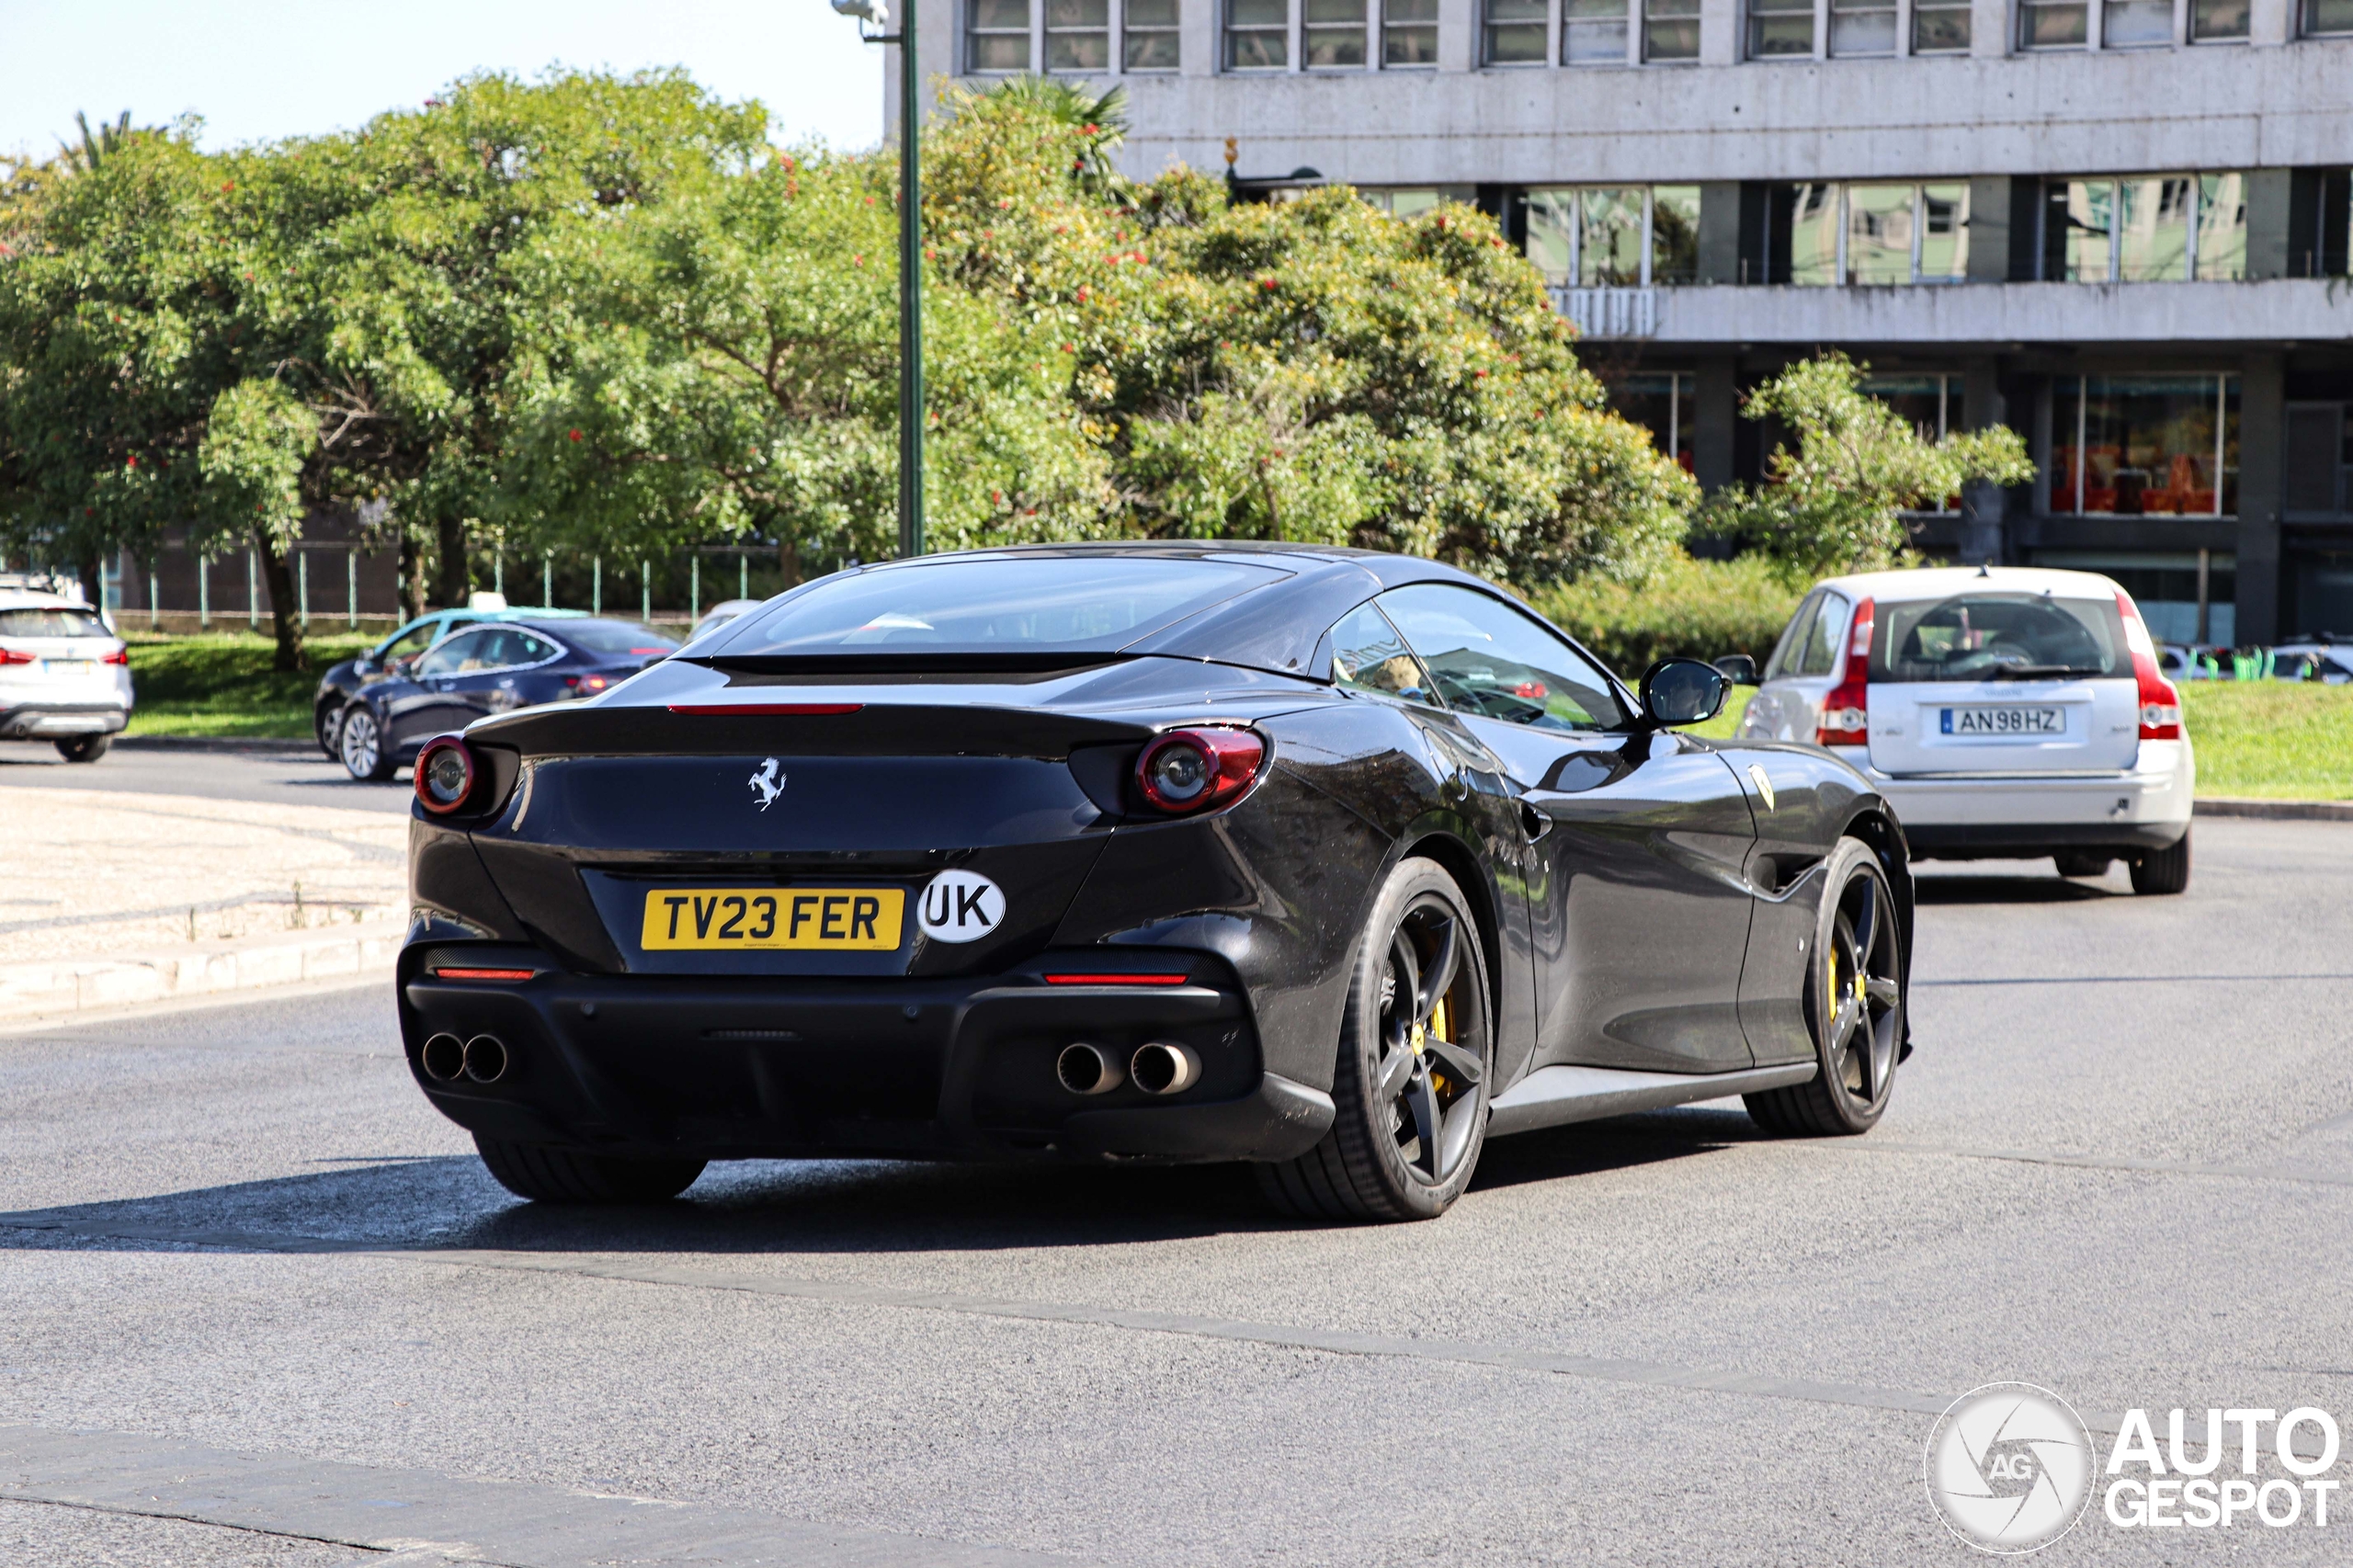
774, 1207
2045, 889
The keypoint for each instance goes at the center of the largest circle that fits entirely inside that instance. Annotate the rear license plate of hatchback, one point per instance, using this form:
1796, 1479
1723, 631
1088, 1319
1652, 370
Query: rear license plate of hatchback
773, 919
68, 667
2008, 720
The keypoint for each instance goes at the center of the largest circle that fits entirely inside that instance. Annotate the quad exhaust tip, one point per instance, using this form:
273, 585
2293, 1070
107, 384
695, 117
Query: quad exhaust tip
1165, 1067
1087, 1068
444, 1058
485, 1059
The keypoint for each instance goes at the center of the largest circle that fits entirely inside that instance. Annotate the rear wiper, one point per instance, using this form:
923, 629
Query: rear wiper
2041, 672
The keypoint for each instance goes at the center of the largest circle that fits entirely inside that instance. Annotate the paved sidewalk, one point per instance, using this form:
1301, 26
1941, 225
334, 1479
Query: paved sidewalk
113, 898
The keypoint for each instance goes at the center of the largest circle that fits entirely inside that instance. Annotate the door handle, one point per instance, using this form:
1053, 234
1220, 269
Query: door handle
1454, 787
1535, 824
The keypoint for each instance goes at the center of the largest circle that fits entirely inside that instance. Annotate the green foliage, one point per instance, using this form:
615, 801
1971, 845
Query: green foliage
1687, 607
1832, 506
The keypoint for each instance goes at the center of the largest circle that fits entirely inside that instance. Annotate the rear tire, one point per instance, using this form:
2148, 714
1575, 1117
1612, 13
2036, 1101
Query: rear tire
360, 740
1856, 1001
84, 748
2163, 870
545, 1173
1416, 1049
2081, 863
327, 725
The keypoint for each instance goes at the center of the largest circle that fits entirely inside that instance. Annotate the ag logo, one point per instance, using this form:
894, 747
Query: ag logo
770, 781
2010, 1468
961, 907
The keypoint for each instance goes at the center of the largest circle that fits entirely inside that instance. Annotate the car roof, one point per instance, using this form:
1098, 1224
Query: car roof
1943, 582
33, 598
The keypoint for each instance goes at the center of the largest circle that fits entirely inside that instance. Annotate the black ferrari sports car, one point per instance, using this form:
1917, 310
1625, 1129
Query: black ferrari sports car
1335, 862
492, 667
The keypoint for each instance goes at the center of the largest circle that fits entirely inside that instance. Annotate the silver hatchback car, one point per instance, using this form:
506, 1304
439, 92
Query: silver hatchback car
63, 675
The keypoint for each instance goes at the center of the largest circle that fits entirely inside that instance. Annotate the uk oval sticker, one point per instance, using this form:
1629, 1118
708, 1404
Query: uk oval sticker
961, 906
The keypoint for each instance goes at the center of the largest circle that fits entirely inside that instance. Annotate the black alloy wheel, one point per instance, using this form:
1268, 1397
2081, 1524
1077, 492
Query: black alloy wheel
1416, 1048
1855, 1002
546, 1174
327, 724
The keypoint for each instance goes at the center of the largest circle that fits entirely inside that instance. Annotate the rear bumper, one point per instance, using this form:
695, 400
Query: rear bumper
765, 1067
41, 719
2145, 807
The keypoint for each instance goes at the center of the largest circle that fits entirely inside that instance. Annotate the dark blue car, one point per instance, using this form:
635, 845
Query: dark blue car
491, 668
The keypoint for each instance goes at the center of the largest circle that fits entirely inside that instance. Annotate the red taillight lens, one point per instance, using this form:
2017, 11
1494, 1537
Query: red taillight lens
514, 974
120, 656
585, 686
10, 656
1193, 770
1847, 711
1125, 977
2160, 700
445, 775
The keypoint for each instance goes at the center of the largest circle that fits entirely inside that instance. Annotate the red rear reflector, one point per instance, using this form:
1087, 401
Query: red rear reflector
1115, 980
483, 973
120, 656
722, 709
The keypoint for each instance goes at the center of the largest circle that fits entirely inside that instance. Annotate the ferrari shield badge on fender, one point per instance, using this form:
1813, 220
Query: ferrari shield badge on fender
961, 907
768, 780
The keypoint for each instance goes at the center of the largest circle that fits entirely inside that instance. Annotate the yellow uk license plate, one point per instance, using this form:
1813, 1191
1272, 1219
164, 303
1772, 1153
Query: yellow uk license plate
773, 919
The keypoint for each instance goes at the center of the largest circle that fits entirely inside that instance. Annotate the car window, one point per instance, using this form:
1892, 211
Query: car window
532, 650
1819, 655
624, 637
416, 640
1487, 658
507, 646
1785, 652
1369, 655
1996, 636
41, 623
454, 655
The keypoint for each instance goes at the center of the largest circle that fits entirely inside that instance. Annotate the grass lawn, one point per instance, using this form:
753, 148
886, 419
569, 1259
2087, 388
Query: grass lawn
2276, 739
224, 685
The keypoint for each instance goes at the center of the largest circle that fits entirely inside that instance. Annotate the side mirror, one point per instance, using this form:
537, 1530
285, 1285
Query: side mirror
1683, 691
1737, 669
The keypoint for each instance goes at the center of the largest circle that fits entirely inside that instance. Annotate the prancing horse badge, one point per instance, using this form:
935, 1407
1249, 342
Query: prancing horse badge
769, 781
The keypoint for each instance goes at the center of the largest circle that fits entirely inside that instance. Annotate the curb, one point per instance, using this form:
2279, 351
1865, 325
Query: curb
2275, 810
39, 990
268, 746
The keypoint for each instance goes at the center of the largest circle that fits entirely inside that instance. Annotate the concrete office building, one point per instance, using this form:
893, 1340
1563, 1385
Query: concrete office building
2119, 225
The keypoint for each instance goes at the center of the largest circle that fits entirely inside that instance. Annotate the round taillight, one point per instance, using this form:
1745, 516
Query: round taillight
1191, 770
445, 775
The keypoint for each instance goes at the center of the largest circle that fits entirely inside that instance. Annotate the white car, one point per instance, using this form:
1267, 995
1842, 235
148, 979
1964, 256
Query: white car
63, 675
2005, 712
2331, 664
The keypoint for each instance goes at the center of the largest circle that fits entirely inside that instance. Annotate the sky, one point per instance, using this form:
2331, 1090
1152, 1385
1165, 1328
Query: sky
257, 70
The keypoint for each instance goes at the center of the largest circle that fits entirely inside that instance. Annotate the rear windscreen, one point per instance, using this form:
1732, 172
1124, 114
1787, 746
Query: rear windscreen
51, 623
615, 637
1005, 604
2000, 637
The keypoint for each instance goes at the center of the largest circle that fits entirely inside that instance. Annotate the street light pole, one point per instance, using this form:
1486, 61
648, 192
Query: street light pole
911, 402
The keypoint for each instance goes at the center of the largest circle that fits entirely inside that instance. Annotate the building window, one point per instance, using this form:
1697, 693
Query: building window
1660, 404
1863, 27
1148, 35
2136, 24
1927, 402
1781, 29
2184, 597
1332, 38
2144, 445
1258, 35
1592, 32
1409, 33
1615, 237
2218, 21
1514, 32
2054, 24
2327, 19
996, 35
2145, 229
1405, 203
1078, 35
1671, 30
1887, 235
1940, 28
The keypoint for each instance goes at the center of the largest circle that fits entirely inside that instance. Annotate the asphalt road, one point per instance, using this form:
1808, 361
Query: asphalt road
250, 1284
287, 777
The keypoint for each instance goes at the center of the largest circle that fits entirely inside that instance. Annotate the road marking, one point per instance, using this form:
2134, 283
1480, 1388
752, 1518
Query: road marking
431, 1517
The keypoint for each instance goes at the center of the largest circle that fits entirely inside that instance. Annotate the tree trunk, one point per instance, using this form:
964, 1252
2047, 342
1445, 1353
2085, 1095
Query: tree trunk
285, 616
412, 573
454, 575
788, 556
